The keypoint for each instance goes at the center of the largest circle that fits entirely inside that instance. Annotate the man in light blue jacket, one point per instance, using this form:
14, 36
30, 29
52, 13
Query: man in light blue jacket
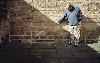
73, 15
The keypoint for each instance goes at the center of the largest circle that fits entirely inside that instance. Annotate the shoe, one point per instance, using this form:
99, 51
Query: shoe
69, 43
76, 45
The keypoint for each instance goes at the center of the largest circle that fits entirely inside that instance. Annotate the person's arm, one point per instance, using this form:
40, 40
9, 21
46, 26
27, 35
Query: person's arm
64, 16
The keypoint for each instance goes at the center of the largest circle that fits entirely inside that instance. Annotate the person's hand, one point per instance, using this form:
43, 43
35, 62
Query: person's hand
58, 22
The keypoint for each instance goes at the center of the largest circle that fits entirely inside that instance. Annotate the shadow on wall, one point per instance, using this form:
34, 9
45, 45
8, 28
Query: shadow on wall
25, 19
90, 31
3, 9
4, 29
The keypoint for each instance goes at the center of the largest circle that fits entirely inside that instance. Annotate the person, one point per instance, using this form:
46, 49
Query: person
74, 16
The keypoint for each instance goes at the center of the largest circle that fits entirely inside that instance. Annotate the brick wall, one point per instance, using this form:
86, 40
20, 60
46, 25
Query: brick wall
34, 20
33, 31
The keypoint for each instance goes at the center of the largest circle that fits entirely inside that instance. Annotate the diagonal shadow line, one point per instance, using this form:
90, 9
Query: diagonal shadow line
41, 22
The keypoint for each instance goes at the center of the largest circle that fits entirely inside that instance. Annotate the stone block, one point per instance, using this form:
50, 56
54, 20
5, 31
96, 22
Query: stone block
17, 31
42, 46
43, 37
27, 37
16, 37
35, 37
38, 33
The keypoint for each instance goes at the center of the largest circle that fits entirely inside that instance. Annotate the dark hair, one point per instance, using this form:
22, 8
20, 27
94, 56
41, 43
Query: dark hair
71, 8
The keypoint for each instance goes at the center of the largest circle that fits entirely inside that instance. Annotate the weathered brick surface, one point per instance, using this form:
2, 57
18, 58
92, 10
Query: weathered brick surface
36, 18
34, 35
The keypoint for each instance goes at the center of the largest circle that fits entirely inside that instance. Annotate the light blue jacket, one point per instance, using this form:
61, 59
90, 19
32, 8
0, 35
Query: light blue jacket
72, 16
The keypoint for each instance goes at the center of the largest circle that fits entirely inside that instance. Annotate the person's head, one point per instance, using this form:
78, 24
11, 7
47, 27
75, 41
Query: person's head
69, 6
